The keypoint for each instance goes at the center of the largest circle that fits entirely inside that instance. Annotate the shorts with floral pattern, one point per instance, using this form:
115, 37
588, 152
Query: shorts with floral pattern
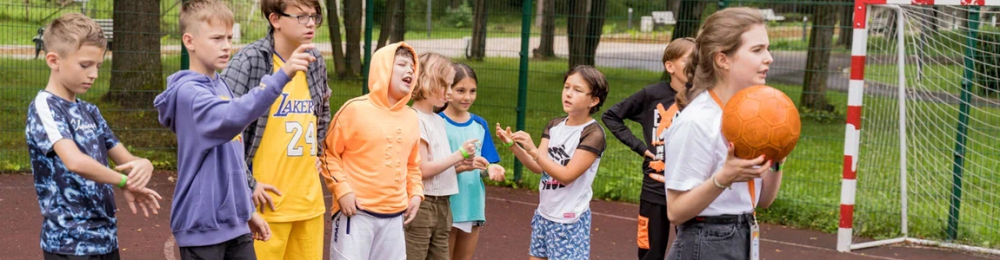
557, 241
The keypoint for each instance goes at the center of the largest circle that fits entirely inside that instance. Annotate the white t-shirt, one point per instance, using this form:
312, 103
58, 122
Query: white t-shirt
564, 203
696, 150
433, 131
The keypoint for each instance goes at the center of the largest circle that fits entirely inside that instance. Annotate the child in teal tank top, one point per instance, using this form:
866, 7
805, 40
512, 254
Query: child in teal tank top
468, 207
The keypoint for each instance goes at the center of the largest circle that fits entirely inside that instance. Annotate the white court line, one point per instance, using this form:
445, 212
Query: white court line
634, 219
762, 239
168, 249
17, 187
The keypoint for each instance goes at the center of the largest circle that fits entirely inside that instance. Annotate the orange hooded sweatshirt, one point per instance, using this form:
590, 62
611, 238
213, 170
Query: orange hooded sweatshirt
371, 149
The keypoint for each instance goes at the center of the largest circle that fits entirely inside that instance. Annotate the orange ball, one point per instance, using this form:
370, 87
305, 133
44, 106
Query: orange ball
761, 120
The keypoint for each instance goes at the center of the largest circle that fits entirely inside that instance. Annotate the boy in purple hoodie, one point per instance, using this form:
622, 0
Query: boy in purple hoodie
212, 216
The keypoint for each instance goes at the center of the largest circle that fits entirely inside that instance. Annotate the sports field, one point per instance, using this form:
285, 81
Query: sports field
505, 236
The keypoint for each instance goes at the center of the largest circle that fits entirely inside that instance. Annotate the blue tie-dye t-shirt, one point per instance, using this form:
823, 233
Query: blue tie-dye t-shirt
78, 214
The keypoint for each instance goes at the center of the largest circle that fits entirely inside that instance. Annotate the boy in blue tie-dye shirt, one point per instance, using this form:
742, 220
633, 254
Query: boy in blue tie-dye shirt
70, 143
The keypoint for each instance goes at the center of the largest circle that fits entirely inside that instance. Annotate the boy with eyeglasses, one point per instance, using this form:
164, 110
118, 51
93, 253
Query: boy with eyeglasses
283, 144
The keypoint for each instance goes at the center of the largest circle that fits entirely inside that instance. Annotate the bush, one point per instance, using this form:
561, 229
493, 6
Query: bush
987, 58
795, 17
460, 17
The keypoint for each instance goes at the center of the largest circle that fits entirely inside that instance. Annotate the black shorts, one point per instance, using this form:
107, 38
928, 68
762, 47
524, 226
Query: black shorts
239, 248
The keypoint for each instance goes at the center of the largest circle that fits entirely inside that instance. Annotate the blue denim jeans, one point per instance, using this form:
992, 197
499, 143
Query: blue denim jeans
699, 240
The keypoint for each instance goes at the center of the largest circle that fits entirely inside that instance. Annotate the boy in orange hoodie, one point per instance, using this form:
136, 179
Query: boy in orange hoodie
371, 162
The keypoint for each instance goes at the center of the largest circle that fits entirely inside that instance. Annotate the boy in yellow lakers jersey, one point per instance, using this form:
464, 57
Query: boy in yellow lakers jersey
282, 145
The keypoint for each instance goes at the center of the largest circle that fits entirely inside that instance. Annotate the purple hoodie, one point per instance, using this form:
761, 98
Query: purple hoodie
211, 202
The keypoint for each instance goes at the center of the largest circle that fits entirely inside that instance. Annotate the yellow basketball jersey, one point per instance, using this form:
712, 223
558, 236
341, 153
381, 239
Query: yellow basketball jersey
286, 157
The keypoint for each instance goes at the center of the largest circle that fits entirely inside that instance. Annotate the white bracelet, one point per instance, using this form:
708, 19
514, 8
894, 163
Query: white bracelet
720, 185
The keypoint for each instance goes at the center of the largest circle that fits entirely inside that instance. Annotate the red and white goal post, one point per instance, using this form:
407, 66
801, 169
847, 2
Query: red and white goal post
924, 117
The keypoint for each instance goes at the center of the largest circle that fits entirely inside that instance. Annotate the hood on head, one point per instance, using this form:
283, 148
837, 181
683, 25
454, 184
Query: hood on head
380, 75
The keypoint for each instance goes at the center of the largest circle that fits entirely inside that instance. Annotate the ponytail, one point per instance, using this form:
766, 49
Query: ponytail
684, 96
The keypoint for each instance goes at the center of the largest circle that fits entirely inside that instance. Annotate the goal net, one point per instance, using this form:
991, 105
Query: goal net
922, 146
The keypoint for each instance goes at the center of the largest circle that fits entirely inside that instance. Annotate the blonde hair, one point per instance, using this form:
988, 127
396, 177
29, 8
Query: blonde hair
722, 33
204, 11
70, 32
432, 77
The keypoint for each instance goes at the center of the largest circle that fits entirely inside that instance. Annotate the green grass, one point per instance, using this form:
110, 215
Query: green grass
20, 81
810, 194
939, 78
936, 78
17, 32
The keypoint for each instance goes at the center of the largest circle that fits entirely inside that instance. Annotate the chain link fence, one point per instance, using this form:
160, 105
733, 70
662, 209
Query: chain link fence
520, 50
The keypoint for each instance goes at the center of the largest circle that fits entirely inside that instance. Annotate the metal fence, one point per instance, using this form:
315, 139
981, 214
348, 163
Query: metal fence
519, 78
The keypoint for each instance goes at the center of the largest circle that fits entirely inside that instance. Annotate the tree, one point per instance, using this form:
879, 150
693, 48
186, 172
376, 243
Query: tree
598, 9
352, 29
456, 3
386, 27
539, 12
674, 6
846, 26
398, 22
818, 61
585, 26
687, 19
546, 47
478, 30
333, 23
137, 77
577, 28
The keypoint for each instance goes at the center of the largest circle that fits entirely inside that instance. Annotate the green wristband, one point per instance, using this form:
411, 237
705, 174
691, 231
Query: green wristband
508, 145
124, 180
464, 153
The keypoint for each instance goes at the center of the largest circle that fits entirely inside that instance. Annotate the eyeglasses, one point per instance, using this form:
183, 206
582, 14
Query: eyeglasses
304, 19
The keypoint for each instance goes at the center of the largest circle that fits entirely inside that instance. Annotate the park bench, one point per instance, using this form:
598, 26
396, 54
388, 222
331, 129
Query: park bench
664, 18
770, 16
648, 23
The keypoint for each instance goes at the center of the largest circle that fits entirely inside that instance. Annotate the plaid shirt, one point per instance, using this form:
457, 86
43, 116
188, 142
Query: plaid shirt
245, 71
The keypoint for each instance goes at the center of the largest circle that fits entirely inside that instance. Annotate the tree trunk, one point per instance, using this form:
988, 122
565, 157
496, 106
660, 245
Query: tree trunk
352, 27
336, 43
674, 6
546, 46
478, 43
386, 24
455, 4
539, 12
399, 22
846, 26
577, 30
818, 61
688, 18
137, 76
595, 27
935, 12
